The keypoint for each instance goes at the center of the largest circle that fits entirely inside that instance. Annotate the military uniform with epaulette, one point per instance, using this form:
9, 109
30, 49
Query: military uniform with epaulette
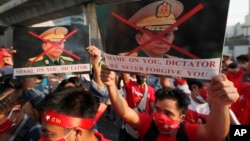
46, 61
54, 34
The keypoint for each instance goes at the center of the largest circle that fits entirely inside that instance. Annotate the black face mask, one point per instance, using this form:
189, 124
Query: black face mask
140, 79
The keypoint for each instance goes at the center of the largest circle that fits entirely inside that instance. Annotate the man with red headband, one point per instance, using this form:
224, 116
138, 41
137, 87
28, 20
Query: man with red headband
70, 115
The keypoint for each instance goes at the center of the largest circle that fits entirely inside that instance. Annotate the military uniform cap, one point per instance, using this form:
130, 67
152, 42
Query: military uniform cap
159, 15
54, 33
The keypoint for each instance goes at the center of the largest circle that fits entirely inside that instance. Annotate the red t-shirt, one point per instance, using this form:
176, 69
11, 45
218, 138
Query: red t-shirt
236, 78
145, 122
100, 137
134, 94
241, 106
196, 111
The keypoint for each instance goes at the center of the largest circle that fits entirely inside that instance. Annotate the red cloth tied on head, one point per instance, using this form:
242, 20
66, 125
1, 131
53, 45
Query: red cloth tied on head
55, 118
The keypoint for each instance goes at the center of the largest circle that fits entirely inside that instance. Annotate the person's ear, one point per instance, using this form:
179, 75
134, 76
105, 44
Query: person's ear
44, 46
79, 133
138, 38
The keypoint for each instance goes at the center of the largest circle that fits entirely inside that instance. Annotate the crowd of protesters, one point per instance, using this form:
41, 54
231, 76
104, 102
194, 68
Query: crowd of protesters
180, 109
152, 108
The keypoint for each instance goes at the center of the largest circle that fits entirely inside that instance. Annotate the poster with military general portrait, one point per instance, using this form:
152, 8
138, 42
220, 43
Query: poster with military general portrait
54, 49
164, 37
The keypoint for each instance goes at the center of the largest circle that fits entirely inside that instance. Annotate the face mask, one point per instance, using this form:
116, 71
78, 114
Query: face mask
201, 96
43, 138
164, 124
8, 123
242, 66
140, 79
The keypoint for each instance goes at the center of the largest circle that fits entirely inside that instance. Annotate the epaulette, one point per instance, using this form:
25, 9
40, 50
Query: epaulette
67, 58
38, 59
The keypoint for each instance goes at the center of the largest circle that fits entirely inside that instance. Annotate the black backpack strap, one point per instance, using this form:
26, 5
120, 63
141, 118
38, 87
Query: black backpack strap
181, 133
152, 133
25, 129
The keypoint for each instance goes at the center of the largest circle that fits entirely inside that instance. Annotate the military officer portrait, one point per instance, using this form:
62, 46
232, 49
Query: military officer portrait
52, 49
198, 25
156, 17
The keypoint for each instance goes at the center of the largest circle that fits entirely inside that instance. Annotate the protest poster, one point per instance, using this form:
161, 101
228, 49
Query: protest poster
51, 50
168, 37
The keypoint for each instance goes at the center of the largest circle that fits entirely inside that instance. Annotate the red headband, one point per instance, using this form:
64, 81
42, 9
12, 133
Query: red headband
65, 121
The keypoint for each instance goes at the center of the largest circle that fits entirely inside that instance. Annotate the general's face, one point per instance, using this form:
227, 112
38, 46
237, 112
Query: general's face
55, 51
168, 107
53, 132
156, 48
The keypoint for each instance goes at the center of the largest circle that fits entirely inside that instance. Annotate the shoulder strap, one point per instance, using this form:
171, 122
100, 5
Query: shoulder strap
152, 133
181, 133
25, 129
143, 102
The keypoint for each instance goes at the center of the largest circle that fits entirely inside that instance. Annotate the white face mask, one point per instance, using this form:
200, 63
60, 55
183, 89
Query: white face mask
8, 122
200, 98
242, 66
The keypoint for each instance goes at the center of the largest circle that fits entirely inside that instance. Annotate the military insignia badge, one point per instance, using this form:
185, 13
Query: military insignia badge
58, 31
163, 10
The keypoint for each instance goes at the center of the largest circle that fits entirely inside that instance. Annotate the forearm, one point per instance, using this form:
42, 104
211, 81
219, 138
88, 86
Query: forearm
118, 102
218, 122
97, 75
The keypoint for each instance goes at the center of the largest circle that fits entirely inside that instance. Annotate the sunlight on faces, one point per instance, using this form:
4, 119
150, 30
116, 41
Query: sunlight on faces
53, 132
2, 117
156, 48
55, 51
168, 107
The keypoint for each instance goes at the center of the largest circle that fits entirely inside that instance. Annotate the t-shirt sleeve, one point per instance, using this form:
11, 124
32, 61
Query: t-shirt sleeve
191, 131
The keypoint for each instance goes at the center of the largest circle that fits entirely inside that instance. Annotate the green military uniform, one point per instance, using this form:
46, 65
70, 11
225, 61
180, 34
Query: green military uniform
46, 61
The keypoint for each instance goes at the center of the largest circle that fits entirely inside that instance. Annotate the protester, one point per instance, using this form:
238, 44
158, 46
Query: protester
198, 109
170, 109
235, 74
241, 106
15, 125
70, 115
140, 96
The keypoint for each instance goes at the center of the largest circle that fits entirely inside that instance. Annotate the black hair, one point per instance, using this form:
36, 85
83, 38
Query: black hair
11, 94
191, 81
75, 102
78, 82
242, 57
233, 65
174, 94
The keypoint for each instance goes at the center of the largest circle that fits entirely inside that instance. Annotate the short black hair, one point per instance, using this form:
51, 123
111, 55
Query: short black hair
11, 94
74, 102
242, 57
174, 94
78, 82
233, 65
192, 81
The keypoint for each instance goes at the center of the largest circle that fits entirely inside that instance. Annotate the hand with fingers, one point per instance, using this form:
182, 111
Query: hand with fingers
95, 54
221, 91
108, 77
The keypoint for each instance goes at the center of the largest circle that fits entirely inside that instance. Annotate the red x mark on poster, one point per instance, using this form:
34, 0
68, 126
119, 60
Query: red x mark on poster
159, 35
54, 45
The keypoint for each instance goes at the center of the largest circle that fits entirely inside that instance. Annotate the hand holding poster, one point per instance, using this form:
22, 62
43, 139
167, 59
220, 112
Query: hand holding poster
165, 30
